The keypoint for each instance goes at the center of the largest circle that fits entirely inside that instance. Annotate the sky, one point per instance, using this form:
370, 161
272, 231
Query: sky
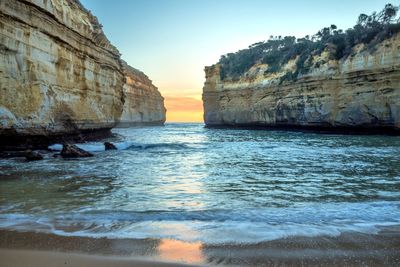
172, 41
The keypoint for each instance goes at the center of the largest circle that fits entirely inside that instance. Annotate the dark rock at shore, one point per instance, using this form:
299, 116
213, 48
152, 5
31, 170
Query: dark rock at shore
28, 154
110, 146
72, 151
21, 142
12, 154
33, 156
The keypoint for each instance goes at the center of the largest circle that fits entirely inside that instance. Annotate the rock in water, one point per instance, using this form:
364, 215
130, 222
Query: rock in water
33, 156
72, 151
110, 146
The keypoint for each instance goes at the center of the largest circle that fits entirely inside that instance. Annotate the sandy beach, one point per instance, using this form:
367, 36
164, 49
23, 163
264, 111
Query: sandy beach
20, 258
22, 249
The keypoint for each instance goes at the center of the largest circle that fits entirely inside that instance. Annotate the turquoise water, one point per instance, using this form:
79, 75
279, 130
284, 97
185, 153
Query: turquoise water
186, 182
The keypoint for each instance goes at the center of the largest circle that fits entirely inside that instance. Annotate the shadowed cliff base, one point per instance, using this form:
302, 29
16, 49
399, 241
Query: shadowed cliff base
14, 142
313, 129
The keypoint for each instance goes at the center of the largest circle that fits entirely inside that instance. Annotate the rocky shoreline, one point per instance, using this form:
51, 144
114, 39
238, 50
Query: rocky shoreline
24, 142
68, 151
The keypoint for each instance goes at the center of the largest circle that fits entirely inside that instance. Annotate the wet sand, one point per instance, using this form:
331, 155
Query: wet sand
351, 249
20, 258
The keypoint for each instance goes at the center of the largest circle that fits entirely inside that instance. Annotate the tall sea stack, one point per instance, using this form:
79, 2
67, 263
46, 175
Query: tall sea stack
144, 104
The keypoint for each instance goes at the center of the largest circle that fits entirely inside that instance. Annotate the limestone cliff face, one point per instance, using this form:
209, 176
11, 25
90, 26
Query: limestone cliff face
360, 92
59, 74
144, 104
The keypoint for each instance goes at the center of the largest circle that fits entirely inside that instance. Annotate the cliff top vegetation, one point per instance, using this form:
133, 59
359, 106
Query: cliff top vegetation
277, 51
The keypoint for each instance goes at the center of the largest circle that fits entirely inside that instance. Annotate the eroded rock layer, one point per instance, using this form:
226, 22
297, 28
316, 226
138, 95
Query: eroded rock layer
361, 92
59, 73
144, 104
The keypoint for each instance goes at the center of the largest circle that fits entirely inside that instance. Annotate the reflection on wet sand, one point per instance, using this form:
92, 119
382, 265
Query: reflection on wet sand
164, 250
178, 251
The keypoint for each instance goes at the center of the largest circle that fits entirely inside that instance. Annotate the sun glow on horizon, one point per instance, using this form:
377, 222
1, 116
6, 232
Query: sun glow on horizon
184, 108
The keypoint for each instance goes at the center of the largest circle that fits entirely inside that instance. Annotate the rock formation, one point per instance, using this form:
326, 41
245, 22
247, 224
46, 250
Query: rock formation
59, 75
33, 156
72, 151
144, 104
360, 92
109, 146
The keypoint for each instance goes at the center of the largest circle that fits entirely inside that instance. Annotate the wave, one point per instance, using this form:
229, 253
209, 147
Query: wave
157, 146
216, 226
99, 147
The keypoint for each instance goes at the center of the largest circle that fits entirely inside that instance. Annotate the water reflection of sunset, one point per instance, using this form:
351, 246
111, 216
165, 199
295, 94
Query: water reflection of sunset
174, 250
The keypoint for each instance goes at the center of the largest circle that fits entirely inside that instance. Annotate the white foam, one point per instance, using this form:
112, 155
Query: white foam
92, 147
55, 147
123, 145
192, 231
216, 227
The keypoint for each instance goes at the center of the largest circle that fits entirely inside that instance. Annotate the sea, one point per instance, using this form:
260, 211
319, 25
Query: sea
215, 186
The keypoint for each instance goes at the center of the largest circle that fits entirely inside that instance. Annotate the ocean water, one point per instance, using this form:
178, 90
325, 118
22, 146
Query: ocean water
214, 186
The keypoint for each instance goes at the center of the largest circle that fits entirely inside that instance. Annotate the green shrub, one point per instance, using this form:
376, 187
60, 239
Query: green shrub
278, 51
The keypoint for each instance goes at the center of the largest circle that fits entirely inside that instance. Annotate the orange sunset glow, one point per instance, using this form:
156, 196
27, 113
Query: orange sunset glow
184, 109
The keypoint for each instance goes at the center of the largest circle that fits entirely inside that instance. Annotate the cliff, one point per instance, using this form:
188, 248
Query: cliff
358, 92
144, 104
60, 76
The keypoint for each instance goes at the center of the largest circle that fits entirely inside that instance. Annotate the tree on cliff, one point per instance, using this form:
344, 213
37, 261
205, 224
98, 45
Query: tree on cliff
277, 51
